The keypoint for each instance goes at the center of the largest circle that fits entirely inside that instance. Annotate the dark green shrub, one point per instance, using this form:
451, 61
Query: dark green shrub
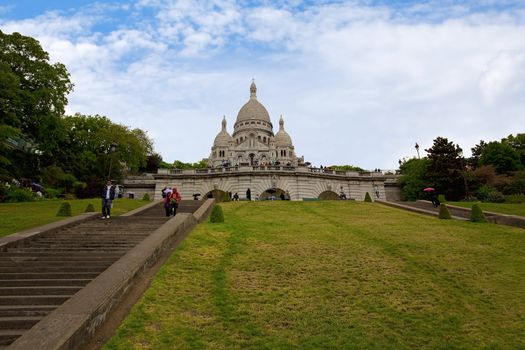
367, 197
476, 214
484, 192
90, 208
496, 197
217, 214
19, 194
145, 197
441, 198
443, 212
52, 193
226, 197
515, 199
65, 209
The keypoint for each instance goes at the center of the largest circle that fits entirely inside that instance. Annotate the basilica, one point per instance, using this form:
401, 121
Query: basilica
253, 141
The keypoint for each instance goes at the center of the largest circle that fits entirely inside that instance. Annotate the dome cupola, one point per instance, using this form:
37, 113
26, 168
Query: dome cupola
282, 139
223, 138
253, 109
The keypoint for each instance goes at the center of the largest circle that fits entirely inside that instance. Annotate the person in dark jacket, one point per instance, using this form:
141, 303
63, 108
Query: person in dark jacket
248, 194
107, 194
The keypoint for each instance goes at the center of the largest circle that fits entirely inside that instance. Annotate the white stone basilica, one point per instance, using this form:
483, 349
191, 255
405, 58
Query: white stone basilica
253, 141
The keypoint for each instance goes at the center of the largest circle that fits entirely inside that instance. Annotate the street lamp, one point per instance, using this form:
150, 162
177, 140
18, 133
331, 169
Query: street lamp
112, 149
417, 149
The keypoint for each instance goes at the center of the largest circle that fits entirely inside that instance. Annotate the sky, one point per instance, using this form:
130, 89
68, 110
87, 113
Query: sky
357, 82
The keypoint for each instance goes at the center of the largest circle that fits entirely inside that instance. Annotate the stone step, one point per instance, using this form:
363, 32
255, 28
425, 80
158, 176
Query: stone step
39, 290
46, 275
7, 336
52, 263
61, 255
70, 250
25, 310
40, 269
34, 299
83, 245
52, 259
44, 282
19, 322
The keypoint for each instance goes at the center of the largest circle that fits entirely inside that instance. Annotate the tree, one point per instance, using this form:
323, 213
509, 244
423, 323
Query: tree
35, 91
33, 95
501, 156
518, 144
477, 151
445, 169
413, 178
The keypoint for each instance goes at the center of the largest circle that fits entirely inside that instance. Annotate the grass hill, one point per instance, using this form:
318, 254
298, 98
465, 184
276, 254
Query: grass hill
334, 275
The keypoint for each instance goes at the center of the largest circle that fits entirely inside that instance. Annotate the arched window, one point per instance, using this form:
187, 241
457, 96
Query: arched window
264, 139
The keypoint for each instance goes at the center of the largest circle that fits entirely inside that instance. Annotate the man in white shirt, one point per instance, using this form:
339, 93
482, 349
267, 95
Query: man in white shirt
107, 195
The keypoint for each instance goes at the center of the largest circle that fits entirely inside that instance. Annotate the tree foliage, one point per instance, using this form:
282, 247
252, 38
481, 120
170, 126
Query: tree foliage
413, 178
502, 156
445, 169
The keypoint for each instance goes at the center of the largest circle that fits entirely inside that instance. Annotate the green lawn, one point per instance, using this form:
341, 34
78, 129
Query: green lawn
334, 275
504, 208
15, 217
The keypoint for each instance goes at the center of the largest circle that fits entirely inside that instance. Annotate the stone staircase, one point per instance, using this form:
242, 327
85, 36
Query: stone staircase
39, 274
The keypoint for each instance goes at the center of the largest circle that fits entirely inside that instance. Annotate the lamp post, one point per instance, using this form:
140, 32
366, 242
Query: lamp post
111, 150
417, 149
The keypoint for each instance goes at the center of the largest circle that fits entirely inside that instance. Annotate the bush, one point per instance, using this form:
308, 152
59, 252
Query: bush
217, 214
490, 194
476, 214
367, 197
90, 208
496, 197
65, 209
443, 212
145, 197
515, 199
441, 198
69, 196
226, 197
19, 194
52, 193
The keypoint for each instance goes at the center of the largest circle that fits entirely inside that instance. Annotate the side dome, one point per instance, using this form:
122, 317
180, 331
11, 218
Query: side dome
253, 109
282, 138
223, 138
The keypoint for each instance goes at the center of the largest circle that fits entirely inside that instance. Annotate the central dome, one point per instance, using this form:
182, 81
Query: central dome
253, 109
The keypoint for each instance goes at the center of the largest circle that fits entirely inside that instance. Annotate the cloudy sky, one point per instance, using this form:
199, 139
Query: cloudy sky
357, 82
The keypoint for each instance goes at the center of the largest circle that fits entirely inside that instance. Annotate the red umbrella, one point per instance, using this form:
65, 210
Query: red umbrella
428, 189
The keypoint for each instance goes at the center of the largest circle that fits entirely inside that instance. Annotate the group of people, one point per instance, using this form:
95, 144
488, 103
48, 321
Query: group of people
172, 199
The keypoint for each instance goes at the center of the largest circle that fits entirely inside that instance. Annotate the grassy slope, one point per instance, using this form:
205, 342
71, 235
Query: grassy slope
15, 217
504, 208
337, 275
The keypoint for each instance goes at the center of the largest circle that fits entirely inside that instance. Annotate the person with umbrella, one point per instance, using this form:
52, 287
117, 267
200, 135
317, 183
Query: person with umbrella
433, 196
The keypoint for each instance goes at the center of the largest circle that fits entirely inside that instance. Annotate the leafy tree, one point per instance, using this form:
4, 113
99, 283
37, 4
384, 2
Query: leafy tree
445, 169
477, 151
33, 90
501, 156
346, 168
518, 144
413, 178
181, 165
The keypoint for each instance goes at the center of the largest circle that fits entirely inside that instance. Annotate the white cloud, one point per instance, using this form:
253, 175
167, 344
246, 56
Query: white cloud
356, 84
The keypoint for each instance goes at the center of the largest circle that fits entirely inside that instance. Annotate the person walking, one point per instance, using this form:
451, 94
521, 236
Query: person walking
248, 194
173, 204
107, 194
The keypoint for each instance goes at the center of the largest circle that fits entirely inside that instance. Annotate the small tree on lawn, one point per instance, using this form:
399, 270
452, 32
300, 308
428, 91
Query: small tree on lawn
217, 214
367, 197
476, 214
65, 209
90, 208
146, 197
443, 212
